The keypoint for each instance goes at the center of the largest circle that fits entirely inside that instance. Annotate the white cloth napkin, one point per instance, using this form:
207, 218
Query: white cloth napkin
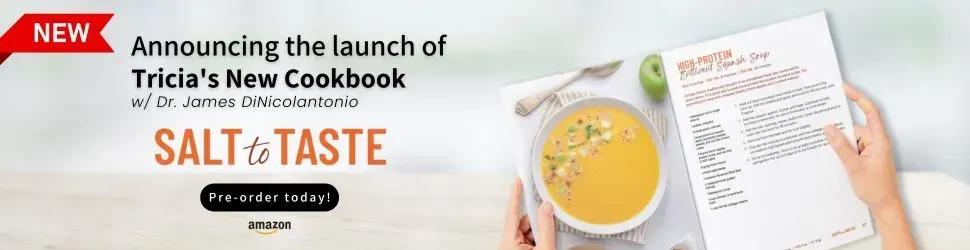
655, 117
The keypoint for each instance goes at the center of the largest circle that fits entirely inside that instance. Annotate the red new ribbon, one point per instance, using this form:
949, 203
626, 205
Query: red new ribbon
55, 33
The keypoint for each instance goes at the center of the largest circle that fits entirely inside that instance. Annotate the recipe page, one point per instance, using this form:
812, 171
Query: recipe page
750, 109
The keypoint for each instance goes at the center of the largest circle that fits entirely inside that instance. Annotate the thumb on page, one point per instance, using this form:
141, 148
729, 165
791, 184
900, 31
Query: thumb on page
547, 227
850, 158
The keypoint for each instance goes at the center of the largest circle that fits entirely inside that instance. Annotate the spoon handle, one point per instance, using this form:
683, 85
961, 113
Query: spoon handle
531, 103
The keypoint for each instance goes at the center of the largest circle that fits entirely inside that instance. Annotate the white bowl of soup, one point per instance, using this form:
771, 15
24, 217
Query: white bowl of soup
599, 161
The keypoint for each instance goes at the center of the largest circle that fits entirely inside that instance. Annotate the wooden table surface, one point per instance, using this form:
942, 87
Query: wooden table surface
376, 211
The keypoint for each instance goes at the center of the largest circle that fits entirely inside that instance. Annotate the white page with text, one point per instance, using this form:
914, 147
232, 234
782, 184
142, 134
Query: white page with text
750, 109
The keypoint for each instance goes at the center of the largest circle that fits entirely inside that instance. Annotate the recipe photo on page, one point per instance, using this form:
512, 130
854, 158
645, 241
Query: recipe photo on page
605, 153
751, 109
717, 145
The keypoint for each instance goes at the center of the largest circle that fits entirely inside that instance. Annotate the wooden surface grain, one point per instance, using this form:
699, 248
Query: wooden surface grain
376, 211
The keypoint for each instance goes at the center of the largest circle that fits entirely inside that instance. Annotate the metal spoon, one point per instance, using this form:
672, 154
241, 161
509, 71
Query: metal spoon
527, 105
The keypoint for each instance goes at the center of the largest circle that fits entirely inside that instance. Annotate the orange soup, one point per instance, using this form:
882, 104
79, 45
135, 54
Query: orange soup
600, 165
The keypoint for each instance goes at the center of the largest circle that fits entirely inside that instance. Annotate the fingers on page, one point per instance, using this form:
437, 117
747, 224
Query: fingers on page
860, 132
524, 225
849, 157
512, 214
547, 226
863, 137
873, 117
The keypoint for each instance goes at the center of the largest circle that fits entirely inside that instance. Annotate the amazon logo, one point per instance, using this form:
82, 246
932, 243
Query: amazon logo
269, 227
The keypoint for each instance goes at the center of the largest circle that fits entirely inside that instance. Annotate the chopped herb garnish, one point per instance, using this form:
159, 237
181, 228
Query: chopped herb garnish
566, 164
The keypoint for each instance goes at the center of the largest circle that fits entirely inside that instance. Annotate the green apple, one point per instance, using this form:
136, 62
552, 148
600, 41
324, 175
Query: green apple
652, 78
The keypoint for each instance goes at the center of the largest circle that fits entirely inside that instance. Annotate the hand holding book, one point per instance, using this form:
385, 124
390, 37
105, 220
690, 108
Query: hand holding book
872, 171
517, 232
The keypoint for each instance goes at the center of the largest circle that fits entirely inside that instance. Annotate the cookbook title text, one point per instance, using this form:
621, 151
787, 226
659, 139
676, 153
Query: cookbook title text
272, 51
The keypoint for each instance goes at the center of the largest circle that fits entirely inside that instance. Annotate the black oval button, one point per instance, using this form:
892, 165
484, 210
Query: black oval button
269, 197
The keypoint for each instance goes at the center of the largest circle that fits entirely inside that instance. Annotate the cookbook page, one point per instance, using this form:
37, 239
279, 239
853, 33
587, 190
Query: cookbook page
750, 109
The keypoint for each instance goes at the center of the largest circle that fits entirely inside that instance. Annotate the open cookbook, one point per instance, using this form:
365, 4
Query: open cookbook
716, 145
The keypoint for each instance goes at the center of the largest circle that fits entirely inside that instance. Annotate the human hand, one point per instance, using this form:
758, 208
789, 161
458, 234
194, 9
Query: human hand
871, 169
517, 233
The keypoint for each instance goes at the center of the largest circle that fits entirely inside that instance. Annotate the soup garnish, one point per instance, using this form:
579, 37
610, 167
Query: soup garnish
599, 164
